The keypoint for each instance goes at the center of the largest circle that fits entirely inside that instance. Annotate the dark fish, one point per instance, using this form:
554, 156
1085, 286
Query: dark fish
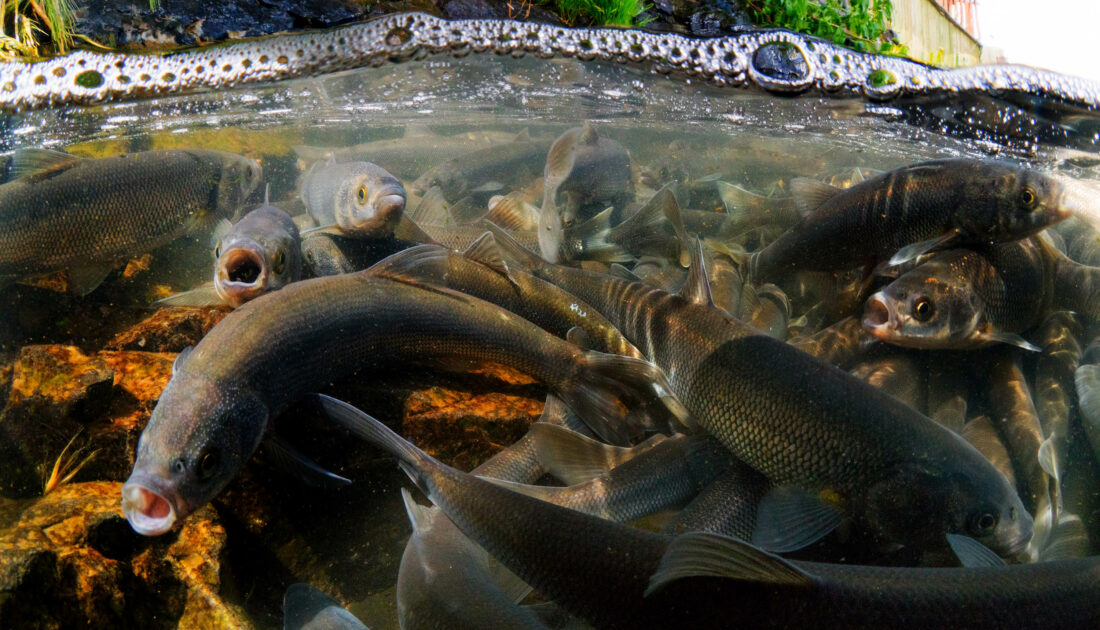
1087, 382
264, 355
306, 608
648, 580
1081, 239
838, 344
915, 209
897, 374
356, 198
480, 272
726, 506
331, 254
495, 167
983, 435
585, 170
88, 215
261, 253
891, 468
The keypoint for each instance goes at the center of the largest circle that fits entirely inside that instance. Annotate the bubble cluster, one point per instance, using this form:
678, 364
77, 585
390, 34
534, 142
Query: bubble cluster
774, 60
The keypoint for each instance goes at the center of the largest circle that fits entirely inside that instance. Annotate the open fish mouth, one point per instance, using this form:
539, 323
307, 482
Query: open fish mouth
877, 317
243, 266
242, 273
150, 512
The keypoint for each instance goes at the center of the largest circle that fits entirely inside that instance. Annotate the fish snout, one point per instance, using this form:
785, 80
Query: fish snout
242, 273
877, 316
149, 512
389, 207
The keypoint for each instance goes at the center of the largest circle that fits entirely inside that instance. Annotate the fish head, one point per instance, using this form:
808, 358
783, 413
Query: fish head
323, 256
260, 254
1021, 202
915, 503
370, 204
451, 184
200, 433
923, 310
239, 178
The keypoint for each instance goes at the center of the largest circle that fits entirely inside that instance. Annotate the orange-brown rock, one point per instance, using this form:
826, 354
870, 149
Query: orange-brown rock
70, 559
169, 329
58, 394
464, 428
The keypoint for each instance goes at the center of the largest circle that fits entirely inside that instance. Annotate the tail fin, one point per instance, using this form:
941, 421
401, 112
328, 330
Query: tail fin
592, 237
574, 458
605, 382
646, 231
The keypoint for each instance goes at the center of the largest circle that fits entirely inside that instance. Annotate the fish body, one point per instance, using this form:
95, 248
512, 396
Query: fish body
504, 164
261, 253
919, 207
649, 580
282, 345
727, 505
838, 434
360, 198
87, 215
408, 156
328, 254
591, 170
480, 272
306, 608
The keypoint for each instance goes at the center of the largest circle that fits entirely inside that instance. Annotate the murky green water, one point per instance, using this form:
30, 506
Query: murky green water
269, 529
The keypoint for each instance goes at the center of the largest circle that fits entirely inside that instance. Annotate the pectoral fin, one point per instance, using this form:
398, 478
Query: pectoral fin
790, 518
702, 554
911, 251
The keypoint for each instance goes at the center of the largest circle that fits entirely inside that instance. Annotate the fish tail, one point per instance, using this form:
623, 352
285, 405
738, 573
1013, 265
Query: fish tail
619, 397
417, 464
594, 242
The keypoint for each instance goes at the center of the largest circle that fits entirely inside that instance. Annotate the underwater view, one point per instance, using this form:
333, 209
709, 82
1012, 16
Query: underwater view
548, 341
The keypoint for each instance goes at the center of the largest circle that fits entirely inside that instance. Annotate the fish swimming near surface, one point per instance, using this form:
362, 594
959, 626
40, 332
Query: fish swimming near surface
261, 253
215, 409
649, 580
903, 213
88, 215
355, 198
887, 466
484, 170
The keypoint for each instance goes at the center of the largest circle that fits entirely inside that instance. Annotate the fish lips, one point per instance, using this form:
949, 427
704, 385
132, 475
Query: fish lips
151, 505
879, 319
242, 273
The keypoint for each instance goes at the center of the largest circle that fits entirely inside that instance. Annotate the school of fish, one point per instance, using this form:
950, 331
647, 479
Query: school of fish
861, 400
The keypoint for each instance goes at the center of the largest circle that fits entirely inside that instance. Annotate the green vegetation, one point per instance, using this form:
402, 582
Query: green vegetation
862, 26
25, 25
601, 12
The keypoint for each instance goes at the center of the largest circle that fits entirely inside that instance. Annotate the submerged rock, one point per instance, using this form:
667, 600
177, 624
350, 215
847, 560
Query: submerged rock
70, 559
59, 394
169, 329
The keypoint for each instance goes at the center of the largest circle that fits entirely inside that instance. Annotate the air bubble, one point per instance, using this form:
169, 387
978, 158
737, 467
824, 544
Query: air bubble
89, 79
782, 61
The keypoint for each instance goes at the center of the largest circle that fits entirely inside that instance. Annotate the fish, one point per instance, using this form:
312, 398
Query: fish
982, 433
433, 222
355, 198
725, 506
1081, 239
408, 156
264, 355
88, 215
480, 272
897, 374
261, 253
494, 167
838, 344
1054, 393
306, 608
903, 213
965, 298
840, 436
329, 254
650, 580
588, 171
1087, 383
772, 312
665, 476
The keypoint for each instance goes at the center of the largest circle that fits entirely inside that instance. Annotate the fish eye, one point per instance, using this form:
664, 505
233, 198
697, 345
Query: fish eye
923, 309
1028, 197
208, 464
179, 466
280, 262
309, 256
218, 251
361, 194
982, 523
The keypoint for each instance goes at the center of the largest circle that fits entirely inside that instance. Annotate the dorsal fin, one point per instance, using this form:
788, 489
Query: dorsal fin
485, 251
809, 194
588, 134
512, 213
513, 253
579, 337
35, 161
523, 136
465, 211
433, 209
622, 273
696, 288
408, 230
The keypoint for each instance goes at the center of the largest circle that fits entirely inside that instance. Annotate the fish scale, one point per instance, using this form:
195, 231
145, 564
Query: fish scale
106, 210
798, 420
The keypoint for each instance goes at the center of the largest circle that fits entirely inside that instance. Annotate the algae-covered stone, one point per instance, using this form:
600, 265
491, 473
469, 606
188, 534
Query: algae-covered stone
169, 329
69, 559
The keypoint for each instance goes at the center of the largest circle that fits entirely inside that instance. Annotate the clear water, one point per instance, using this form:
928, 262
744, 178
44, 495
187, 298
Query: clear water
349, 543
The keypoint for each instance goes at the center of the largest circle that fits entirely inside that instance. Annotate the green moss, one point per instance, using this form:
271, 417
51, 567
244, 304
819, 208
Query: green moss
601, 12
863, 25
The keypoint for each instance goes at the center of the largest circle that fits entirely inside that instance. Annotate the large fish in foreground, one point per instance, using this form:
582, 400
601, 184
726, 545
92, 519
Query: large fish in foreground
261, 357
903, 213
834, 446
88, 215
615, 576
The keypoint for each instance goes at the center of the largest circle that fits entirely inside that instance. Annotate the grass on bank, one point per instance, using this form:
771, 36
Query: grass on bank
863, 24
